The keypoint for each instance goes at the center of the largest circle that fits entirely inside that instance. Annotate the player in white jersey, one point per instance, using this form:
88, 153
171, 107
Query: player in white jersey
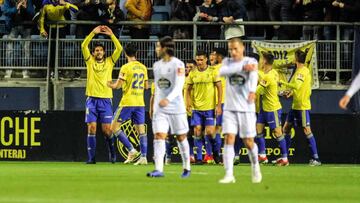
355, 86
169, 107
239, 111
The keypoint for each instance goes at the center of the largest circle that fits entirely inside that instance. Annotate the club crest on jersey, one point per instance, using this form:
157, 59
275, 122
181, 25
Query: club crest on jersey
163, 83
300, 76
237, 80
263, 82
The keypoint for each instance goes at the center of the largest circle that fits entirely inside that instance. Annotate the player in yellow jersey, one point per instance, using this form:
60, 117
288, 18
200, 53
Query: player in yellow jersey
98, 103
300, 90
203, 81
133, 79
270, 113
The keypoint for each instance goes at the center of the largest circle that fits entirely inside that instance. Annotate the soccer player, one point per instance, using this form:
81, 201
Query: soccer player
239, 110
270, 113
189, 66
133, 79
300, 85
220, 54
169, 108
203, 80
98, 102
355, 86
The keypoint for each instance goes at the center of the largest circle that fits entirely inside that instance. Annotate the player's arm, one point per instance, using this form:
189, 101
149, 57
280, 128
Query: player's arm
146, 79
151, 107
42, 22
220, 95
253, 80
260, 90
294, 84
118, 48
354, 87
119, 82
85, 44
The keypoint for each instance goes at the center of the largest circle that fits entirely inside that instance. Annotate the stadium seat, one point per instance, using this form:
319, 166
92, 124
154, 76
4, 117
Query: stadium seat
159, 29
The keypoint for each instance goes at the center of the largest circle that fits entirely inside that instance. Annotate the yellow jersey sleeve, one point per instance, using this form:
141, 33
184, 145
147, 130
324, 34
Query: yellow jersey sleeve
118, 48
153, 88
85, 46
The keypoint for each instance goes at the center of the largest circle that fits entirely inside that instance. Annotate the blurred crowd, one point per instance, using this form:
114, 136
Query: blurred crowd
110, 12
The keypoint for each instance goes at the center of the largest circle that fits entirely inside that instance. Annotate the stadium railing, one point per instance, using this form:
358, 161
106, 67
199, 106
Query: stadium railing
334, 56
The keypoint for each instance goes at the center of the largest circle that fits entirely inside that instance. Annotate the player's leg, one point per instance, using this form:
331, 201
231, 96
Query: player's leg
169, 146
160, 125
210, 133
248, 133
230, 129
260, 137
104, 107
196, 122
305, 116
208, 158
120, 115
274, 121
289, 123
191, 140
138, 118
180, 128
237, 147
218, 130
91, 117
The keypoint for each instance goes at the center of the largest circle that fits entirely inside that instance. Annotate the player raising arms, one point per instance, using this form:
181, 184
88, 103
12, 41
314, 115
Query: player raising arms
239, 110
271, 110
98, 102
169, 108
133, 79
300, 85
202, 81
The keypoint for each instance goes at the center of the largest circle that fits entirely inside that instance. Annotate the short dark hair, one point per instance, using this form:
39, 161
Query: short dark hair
97, 44
201, 53
131, 49
191, 61
168, 43
220, 51
268, 57
300, 56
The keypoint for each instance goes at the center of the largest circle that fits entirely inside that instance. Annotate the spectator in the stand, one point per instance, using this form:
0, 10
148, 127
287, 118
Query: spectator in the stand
139, 10
182, 10
54, 10
230, 11
282, 10
18, 12
208, 13
257, 10
111, 15
88, 11
312, 10
347, 11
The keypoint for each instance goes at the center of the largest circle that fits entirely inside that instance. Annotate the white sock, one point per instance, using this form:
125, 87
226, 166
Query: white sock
228, 156
253, 155
185, 153
159, 153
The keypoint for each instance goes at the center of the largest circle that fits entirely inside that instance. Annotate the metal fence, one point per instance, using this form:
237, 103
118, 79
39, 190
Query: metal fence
334, 56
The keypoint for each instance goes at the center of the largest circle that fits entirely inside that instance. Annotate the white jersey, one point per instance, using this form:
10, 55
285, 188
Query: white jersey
239, 84
169, 78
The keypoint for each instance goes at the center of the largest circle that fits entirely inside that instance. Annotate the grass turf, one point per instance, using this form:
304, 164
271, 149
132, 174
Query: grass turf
105, 182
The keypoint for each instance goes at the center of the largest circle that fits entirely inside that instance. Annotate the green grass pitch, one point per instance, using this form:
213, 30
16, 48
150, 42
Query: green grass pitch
105, 182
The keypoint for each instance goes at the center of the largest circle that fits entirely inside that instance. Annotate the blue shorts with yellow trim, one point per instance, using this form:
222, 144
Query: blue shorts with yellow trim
203, 118
136, 114
219, 118
273, 119
98, 110
299, 117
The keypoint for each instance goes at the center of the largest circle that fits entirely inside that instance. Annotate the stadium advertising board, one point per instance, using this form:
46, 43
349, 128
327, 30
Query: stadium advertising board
61, 136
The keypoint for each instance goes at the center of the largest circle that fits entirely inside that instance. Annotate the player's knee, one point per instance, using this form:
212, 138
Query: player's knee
248, 142
307, 130
278, 132
92, 129
218, 129
141, 129
181, 138
197, 131
210, 130
229, 139
160, 136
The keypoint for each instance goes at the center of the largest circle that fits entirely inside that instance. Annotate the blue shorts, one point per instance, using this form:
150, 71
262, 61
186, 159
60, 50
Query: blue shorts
299, 117
273, 119
219, 118
203, 118
136, 114
98, 110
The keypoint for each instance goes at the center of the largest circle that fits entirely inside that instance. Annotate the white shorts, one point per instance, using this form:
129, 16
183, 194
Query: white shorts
243, 123
177, 123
